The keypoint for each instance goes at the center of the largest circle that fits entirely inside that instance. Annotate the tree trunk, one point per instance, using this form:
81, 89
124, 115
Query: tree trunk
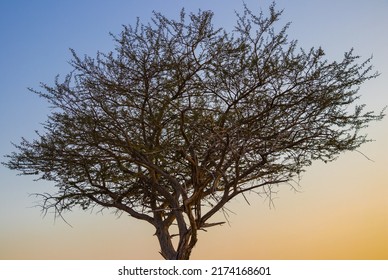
166, 247
184, 253
185, 245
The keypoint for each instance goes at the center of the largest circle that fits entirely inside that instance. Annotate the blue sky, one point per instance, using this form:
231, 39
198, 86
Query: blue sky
35, 41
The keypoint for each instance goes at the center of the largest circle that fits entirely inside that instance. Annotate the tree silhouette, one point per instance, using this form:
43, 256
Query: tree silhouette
183, 117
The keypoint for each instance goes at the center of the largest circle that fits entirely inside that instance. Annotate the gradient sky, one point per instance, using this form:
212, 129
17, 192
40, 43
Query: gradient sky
339, 212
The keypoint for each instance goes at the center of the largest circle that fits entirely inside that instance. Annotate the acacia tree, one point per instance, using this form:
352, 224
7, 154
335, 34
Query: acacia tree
183, 117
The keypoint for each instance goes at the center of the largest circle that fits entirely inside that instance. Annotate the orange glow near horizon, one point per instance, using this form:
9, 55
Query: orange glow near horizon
316, 223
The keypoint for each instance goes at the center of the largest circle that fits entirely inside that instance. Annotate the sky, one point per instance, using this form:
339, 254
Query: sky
339, 211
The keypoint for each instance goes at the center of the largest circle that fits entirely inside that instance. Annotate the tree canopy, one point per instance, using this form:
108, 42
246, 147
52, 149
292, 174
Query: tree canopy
182, 117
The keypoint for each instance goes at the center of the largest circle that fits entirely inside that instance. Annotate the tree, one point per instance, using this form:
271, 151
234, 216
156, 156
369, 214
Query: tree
183, 117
